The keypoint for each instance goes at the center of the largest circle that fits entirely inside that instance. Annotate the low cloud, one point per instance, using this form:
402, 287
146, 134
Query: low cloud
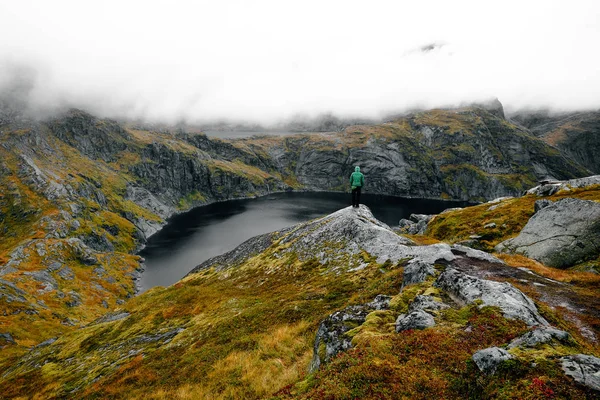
267, 61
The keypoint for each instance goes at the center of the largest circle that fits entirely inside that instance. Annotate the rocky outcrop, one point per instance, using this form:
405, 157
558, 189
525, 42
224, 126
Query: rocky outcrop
560, 235
331, 337
552, 187
583, 369
380, 302
575, 134
415, 225
540, 335
95, 138
353, 230
414, 320
416, 271
465, 289
488, 360
426, 303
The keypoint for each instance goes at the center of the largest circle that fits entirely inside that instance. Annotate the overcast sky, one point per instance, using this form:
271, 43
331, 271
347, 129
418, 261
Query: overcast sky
269, 60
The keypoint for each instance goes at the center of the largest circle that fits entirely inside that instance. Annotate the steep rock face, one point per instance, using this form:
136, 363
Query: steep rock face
170, 172
462, 154
79, 178
94, 137
576, 135
560, 235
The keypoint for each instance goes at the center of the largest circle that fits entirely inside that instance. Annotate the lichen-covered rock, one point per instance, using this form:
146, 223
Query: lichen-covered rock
414, 320
73, 299
560, 234
548, 189
540, 335
539, 204
415, 225
426, 303
352, 231
355, 229
45, 279
6, 339
416, 271
66, 273
488, 360
82, 251
584, 369
331, 338
380, 302
10, 293
513, 303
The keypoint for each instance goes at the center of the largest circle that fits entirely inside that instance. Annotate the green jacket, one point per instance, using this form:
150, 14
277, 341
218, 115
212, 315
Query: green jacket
357, 178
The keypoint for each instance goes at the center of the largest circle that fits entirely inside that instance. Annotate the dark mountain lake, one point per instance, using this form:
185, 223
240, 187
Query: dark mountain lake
191, 238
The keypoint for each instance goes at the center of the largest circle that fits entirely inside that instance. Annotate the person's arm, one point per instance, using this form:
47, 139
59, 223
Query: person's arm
362, 180
351, 179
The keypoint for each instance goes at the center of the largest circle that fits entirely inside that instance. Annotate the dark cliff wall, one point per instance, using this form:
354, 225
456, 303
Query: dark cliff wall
575, 135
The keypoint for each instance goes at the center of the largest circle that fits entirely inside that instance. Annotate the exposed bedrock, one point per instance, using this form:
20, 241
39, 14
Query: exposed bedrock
560, 234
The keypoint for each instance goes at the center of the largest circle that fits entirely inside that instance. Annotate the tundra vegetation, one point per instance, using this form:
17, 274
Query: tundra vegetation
79, 196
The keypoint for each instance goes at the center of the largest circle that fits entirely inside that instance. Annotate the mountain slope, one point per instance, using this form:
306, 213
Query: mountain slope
467, 154
576, 135
80, 195
243, 325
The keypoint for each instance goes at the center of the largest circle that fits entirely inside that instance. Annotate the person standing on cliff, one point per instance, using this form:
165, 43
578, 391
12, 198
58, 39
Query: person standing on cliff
357, 181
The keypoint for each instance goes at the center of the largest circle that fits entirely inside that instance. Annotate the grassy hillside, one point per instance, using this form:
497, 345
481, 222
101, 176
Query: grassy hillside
495, 223
79, 195
246, 328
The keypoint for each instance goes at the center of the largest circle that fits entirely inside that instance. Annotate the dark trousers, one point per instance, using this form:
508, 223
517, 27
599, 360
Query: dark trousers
356, 197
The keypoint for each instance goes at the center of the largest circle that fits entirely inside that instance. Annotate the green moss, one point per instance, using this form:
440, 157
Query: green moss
190, 200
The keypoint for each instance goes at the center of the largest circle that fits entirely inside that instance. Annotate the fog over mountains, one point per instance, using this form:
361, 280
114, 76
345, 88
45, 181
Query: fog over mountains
267, 62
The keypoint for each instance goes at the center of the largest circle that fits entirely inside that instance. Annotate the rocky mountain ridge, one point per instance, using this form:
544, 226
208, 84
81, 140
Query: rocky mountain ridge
575, 134
80, 195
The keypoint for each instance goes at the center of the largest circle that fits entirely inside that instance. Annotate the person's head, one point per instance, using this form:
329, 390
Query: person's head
357, 169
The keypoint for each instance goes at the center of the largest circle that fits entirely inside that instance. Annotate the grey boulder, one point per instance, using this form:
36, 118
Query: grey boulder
416, 271
513, 303
416, 224
426, 303
559, 235
381, 302
331, 337
488, 360
540, 335
584, 369
414, 320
